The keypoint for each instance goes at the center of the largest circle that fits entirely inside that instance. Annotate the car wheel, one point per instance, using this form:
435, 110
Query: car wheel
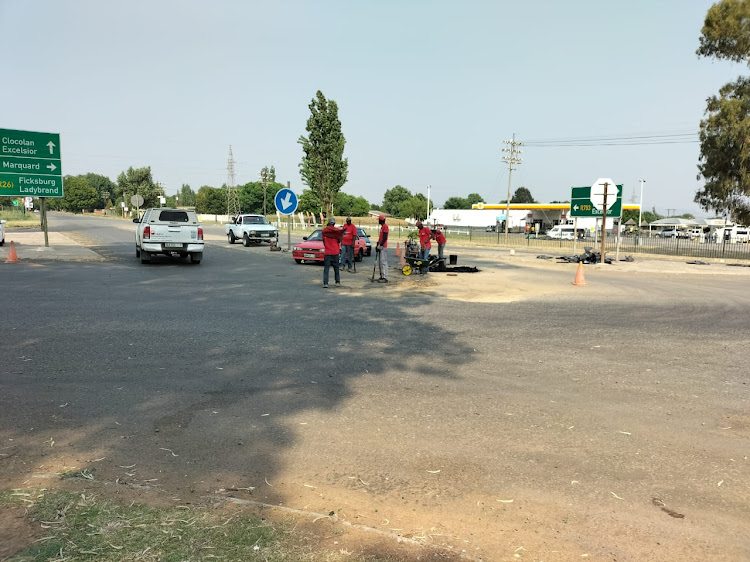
145, 256
137, 252
246, 240
196, 257
360, 255
298, 261
231, 238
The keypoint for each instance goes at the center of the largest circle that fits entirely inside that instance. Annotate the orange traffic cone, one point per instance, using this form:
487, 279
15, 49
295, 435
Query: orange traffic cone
12, 256
400, 254
580, 281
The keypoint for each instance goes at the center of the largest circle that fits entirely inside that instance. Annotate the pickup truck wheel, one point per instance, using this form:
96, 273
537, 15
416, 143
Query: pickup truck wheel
230, 237
246, 240
196, 257
145, 256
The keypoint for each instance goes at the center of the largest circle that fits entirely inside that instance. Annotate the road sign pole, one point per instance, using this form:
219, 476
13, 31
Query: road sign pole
43, 207
289, 225
575, 234
604, 221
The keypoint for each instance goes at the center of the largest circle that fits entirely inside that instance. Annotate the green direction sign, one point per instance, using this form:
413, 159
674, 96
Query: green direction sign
30, 164
581, 205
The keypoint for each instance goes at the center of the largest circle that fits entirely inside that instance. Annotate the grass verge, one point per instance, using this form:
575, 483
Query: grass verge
80, 527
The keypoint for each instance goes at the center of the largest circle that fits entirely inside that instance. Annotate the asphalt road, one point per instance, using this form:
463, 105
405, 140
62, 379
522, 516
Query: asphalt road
612, 424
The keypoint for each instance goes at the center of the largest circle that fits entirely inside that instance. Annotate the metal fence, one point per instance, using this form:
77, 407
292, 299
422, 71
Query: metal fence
629, 244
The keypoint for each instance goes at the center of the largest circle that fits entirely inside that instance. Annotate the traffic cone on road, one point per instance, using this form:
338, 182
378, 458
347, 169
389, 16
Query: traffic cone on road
580, 280
400, 255
12, 256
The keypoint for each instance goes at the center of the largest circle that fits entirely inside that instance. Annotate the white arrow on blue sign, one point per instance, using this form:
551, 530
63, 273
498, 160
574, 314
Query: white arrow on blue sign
286, 201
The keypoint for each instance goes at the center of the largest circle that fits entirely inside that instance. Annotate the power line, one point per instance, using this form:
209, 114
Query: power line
682, 137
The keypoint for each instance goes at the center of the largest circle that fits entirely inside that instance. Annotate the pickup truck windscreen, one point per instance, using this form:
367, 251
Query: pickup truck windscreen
173, 216
254, 220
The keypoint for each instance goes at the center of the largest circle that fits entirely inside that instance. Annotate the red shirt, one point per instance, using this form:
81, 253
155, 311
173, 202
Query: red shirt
424, 237
350, 231
383, 240
439, 237
331, 238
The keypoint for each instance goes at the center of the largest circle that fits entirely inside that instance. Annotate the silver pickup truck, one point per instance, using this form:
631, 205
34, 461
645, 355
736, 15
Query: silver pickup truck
172, 232
251, 229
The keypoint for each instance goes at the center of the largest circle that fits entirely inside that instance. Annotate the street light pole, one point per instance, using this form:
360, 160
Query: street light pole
640, 207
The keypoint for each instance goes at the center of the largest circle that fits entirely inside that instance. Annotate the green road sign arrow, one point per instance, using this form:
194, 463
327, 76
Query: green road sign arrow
581, 205
30, 165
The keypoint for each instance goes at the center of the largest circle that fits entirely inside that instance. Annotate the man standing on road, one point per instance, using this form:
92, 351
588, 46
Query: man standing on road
331, 238
380, 248
439, 237
424, 240
347, 244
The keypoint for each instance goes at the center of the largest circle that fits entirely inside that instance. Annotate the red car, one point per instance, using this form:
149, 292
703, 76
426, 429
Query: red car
311, 248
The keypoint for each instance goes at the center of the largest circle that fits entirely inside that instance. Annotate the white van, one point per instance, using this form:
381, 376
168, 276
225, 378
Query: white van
564, 232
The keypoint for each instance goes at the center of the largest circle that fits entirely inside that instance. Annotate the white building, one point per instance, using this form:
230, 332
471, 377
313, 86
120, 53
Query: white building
523, 216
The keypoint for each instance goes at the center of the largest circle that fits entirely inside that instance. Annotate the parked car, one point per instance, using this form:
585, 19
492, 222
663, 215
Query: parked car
172, 232
2, 233
491, 228
251, 229
671, 233
311, 248
565, 232
368, 244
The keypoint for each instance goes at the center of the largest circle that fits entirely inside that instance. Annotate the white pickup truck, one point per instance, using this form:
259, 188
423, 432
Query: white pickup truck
172, 232
251, 229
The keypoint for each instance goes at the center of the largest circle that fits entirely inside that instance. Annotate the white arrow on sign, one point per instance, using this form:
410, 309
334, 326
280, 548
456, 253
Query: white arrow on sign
286, 201
51, 167
575, 207
597, 193
51, 146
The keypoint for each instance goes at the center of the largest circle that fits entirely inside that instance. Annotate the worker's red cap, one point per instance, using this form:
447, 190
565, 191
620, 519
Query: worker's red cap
381, 217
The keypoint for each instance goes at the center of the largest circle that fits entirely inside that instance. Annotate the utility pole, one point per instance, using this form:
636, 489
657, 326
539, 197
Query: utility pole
511, 158
428, 201
640, 207
233, 199
264, 181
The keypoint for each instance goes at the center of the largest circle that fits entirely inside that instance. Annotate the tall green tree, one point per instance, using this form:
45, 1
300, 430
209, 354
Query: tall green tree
393, 198
211, 200
724, 162
457, 203
473, 198
350, 205
186, 196
522, 195
138, 181
309, 202
254, 196
105, 188
323, 168
415, 208
79, 194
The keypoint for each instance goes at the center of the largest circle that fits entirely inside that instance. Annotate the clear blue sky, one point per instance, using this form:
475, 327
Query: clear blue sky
427, 90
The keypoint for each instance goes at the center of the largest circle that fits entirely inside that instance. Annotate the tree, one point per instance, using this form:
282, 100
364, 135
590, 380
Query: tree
309, 202
348, 205
211, 200
456, 203
726, 33
105, 189
393, 198
415, 208
187, 196
323, 168
724, 161
254, 196
138, 181
473, 198
267, 175
646, 216
522, 195
79, 194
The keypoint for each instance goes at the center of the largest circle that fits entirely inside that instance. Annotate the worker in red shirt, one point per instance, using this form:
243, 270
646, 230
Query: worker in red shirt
380, 249
424, 240
331, 238
439, 237
347, 244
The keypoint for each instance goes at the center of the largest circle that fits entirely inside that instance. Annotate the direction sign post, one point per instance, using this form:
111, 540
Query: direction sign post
30, 166
286, 203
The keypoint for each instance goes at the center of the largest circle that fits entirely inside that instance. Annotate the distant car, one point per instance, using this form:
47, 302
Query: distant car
311, 248
491, 228
672, 233
2, 233
368, 244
